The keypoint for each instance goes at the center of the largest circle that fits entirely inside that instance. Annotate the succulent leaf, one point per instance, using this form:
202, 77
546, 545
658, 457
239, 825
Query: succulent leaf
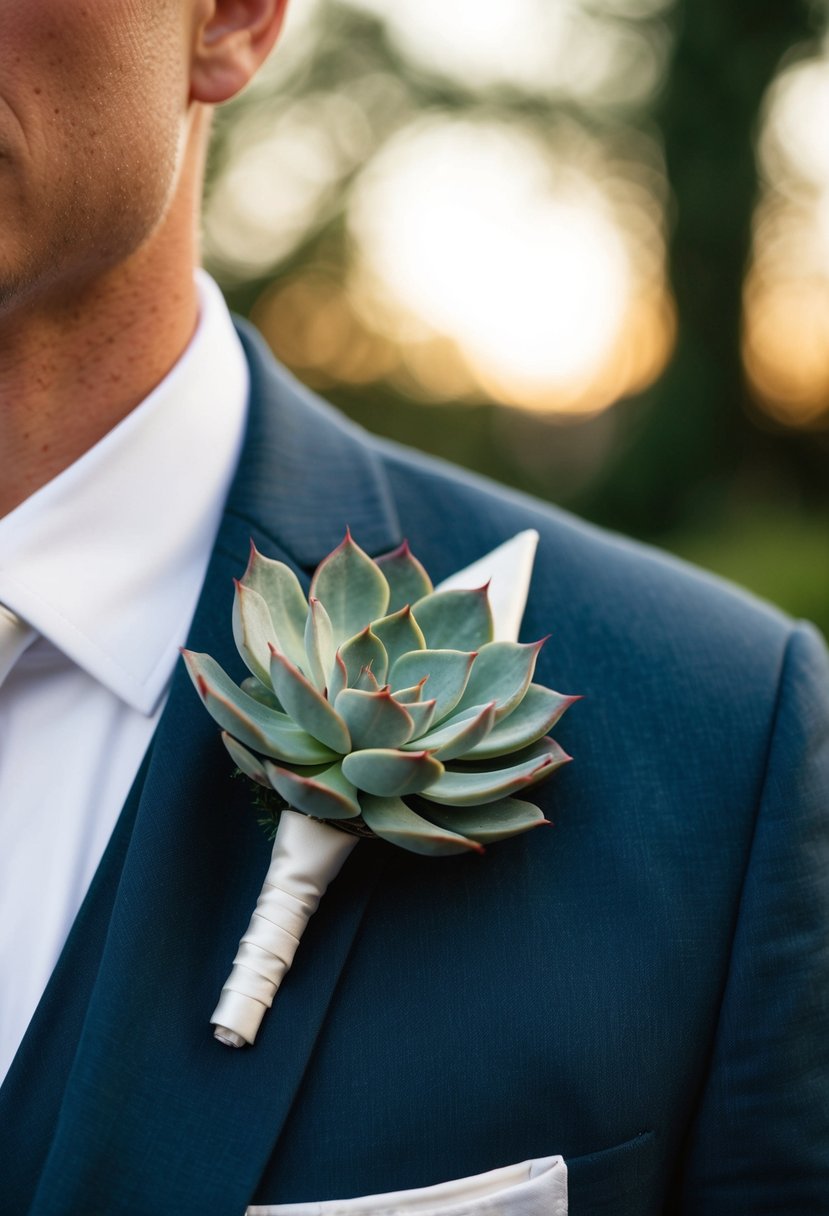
327, 794
391, 819
472, 785
447, 671
410, 696
352, 587
319, 645
364, 651
535, 715
399, 633
507, 570
338, 678
457, 620
253, 724
367, 682
502, 674
408, 581
308, 708
245, 761
422, 714
253, 631
265, 696
374, 719
459, 733
486, 824
279, 588
390, 773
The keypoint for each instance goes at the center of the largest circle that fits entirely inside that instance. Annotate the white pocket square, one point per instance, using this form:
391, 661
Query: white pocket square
531, 1188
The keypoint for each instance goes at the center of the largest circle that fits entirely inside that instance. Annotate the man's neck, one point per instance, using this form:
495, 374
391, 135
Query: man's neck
72, 371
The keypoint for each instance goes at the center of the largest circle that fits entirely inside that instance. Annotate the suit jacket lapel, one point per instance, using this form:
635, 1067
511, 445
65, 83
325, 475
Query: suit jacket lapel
306, 472
156, 1115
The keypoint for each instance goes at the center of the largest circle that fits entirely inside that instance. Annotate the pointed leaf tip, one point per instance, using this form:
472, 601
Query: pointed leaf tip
405, 575
447, 672
254, 557
364, 652
393, 820
456, 736
489, 823
306, 705
352, 587
455, 619
374, 719
245, 760
325, 794
537, 713
283, 609
249, 721
319, 644
402, 550
479, 784
502, 672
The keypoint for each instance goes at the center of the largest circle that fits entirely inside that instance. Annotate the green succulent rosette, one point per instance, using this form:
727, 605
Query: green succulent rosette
382, 706
379, 706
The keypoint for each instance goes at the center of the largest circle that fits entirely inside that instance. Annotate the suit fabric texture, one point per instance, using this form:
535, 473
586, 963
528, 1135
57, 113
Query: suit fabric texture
642, 987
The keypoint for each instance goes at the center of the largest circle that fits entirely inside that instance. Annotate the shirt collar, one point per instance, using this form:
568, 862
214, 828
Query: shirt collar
107, 559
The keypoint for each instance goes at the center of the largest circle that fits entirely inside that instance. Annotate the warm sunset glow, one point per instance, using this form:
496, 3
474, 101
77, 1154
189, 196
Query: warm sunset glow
786, 299
518, 260
786, 346
310, 324
473, 258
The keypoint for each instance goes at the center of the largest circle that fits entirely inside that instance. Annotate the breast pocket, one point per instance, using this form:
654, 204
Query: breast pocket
530, 1188
618, 1181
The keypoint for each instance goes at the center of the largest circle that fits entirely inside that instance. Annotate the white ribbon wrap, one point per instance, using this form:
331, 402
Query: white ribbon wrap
307, 855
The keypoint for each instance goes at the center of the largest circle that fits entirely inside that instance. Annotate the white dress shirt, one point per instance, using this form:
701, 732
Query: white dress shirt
106, 563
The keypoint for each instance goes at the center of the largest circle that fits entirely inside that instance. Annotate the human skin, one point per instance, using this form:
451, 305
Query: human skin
104, 114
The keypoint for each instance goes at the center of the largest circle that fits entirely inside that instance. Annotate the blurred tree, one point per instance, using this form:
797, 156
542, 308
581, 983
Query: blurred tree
694, 431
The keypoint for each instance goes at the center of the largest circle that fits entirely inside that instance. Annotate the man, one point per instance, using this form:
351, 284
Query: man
642, 989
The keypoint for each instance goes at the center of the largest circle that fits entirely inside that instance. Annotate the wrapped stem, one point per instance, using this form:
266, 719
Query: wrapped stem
307, 855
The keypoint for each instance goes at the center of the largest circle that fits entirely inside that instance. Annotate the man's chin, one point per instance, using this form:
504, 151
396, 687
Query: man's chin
43, 285
19, 284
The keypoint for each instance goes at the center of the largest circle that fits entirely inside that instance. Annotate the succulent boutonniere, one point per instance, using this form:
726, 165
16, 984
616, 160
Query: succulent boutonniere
381, 706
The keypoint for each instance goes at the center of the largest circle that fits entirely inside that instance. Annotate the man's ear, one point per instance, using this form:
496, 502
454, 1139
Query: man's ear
231, 38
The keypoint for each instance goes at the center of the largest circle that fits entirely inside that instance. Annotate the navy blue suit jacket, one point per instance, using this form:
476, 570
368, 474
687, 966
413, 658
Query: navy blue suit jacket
642, 987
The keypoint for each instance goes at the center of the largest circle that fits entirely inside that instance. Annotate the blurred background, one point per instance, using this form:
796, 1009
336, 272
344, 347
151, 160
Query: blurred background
581, 246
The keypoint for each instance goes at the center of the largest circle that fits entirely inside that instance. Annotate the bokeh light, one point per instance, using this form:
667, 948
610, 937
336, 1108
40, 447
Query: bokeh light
280, 179
569, 48
786, 305
515, 255
469, 252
